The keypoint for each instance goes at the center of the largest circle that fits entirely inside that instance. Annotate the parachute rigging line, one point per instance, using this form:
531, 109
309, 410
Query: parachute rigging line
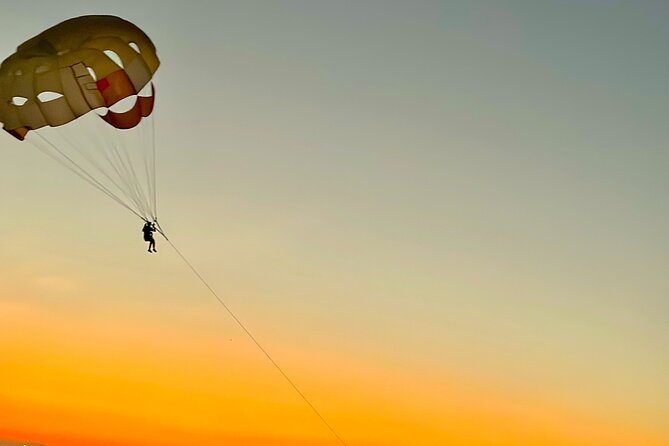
110, 167
253, 338
80, 172
152, 177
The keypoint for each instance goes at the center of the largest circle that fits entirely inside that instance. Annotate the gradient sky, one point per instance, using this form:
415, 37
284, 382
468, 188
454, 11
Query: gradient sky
446, 220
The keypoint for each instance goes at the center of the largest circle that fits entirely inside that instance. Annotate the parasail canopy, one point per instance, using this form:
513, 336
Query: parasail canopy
81, 64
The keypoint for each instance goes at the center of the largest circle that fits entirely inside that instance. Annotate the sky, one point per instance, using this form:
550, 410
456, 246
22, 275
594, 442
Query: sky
447, 222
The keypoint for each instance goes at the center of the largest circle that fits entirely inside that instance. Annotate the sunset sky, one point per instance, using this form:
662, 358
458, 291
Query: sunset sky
446, 220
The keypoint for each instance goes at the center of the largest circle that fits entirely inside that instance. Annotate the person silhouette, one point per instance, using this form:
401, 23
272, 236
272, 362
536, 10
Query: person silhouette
148, 230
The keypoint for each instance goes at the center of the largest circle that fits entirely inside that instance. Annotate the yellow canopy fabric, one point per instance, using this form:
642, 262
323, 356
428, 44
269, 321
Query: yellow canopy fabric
62, 62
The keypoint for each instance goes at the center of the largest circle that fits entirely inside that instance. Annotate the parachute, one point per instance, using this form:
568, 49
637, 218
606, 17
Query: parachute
84, 89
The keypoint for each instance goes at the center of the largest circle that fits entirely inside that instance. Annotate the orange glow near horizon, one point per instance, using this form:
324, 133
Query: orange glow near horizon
60, 391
